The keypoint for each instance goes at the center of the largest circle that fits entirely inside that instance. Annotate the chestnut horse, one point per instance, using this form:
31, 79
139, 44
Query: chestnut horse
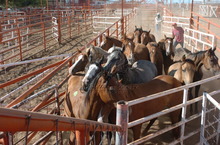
156, 56
111, 91
204, 61
166, 47
108, 42
137, 34
92, 54
76, 105
146, 37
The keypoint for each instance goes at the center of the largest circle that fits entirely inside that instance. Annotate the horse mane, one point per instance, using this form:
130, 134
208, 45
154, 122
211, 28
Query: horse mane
197, 56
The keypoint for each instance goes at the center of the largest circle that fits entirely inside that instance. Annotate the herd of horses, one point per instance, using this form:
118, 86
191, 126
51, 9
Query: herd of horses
135, 66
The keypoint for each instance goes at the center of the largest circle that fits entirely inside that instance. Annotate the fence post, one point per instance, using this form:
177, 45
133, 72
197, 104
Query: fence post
0, 33
44, 35
117, 29
19, 41
59, 28
202, 130
122, 120
69, 24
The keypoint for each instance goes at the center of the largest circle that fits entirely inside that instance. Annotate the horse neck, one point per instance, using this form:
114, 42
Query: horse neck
198, 57
101, 52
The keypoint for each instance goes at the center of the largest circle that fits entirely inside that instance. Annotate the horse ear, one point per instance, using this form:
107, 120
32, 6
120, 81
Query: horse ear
123, 48
79, 51
149, 31
214, 48
165, 36
124, 37
183, 58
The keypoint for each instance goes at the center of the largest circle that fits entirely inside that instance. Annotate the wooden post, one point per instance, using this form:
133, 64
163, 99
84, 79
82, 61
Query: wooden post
122, 120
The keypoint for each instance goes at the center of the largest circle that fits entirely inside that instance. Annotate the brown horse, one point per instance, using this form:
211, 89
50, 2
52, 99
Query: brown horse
166, 47
156, 56
76, 105
91, 54
111, 91
108, 42
137, 34
146, 37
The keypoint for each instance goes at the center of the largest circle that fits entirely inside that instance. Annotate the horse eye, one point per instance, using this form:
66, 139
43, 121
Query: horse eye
184, 70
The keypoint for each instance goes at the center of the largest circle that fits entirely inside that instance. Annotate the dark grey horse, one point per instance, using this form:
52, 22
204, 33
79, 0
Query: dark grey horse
141, 71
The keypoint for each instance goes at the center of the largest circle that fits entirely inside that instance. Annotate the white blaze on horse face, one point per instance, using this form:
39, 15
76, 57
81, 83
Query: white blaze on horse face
111, 49
74, 65
90, 73
102, 43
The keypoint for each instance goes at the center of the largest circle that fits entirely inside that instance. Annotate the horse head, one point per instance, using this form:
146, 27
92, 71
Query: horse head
137, 34
116, 61
145, 37
128, 46
153, 48
93, 70
166, 45
80, 64
210, 61
188, 69
108, 42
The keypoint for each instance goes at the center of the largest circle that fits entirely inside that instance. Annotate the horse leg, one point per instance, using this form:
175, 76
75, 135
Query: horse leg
149, 125
190, 98
175, 117
137, 131
197, 88
72, 138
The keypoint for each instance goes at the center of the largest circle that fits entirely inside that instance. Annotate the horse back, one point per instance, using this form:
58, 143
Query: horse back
141, 52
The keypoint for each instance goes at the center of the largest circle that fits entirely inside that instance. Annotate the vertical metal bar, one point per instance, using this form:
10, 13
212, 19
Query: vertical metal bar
183, 115
44, 35
218, 129
19, 42
122, 120
117, 29
202, 130
59, 28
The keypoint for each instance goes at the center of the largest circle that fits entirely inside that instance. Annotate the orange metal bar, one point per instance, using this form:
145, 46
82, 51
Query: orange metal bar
30, 74
15, 120
38, 84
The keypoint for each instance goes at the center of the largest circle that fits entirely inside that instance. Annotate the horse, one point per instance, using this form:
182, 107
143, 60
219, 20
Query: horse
92, 54
166, 47
108, 42
111, 91
137, 34
146, 37
77, 105
141, 71
204, 61
183, 70
140, 51
156, 56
